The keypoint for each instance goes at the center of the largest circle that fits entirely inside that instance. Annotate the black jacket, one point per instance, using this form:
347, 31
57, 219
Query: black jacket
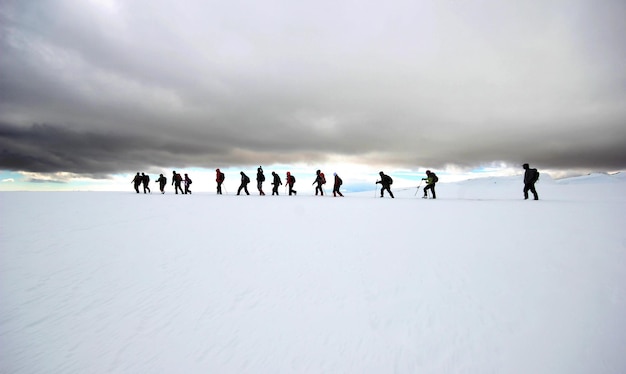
244, 179
277, 181
385, 180
531, 176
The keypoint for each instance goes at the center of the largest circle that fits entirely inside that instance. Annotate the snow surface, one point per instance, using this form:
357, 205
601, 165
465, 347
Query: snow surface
478, 281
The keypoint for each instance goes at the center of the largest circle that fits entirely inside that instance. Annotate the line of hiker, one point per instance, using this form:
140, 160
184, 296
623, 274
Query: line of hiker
531, 176
290, 181
177, 179
320, 180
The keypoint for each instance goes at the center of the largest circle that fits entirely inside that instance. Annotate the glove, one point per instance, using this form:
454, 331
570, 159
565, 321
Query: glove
423, 179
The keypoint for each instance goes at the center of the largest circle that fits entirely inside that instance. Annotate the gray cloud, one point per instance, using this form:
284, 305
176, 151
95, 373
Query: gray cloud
103, 87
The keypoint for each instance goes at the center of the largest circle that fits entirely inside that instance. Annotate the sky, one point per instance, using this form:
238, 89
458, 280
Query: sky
97, 90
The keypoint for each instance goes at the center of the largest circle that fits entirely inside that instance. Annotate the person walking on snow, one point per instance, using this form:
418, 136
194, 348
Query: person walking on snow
219, 178
531, 176
137, 181
431, 179
338, 183
145, 179
277, 182
162, 181
291, 180
320, 179
187, 184
260, 178
386, 183
244, 184
176, 180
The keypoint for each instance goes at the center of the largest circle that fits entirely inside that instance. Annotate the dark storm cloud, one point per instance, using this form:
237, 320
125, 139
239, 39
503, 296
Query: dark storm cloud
102, 87
49, 148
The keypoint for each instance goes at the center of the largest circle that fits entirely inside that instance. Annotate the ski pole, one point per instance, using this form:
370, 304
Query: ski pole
418, 188
375, 188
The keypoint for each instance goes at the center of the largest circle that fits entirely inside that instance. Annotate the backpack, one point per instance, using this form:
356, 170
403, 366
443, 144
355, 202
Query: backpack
293, 179
323, 178
339, 181
435, 178
246, 179
222, 176
536, 175
262, 177
390, 180
189, 179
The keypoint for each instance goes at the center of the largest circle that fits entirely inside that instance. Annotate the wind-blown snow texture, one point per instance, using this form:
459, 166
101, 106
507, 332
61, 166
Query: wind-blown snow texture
478, 281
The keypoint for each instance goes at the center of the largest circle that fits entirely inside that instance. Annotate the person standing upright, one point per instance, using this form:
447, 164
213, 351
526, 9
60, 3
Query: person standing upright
386, 182
176, 180
244, 184
145, 179
219, 178
291, 180
431, 179
320, 179
531, 176
187, 184
277, 182
260, 178
162, 181
337, 185
137, 181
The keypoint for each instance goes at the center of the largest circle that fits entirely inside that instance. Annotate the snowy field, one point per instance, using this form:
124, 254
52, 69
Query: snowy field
477, 281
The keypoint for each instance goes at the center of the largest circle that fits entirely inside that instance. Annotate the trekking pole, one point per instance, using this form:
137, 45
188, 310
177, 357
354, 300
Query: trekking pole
375, 188
418, 188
